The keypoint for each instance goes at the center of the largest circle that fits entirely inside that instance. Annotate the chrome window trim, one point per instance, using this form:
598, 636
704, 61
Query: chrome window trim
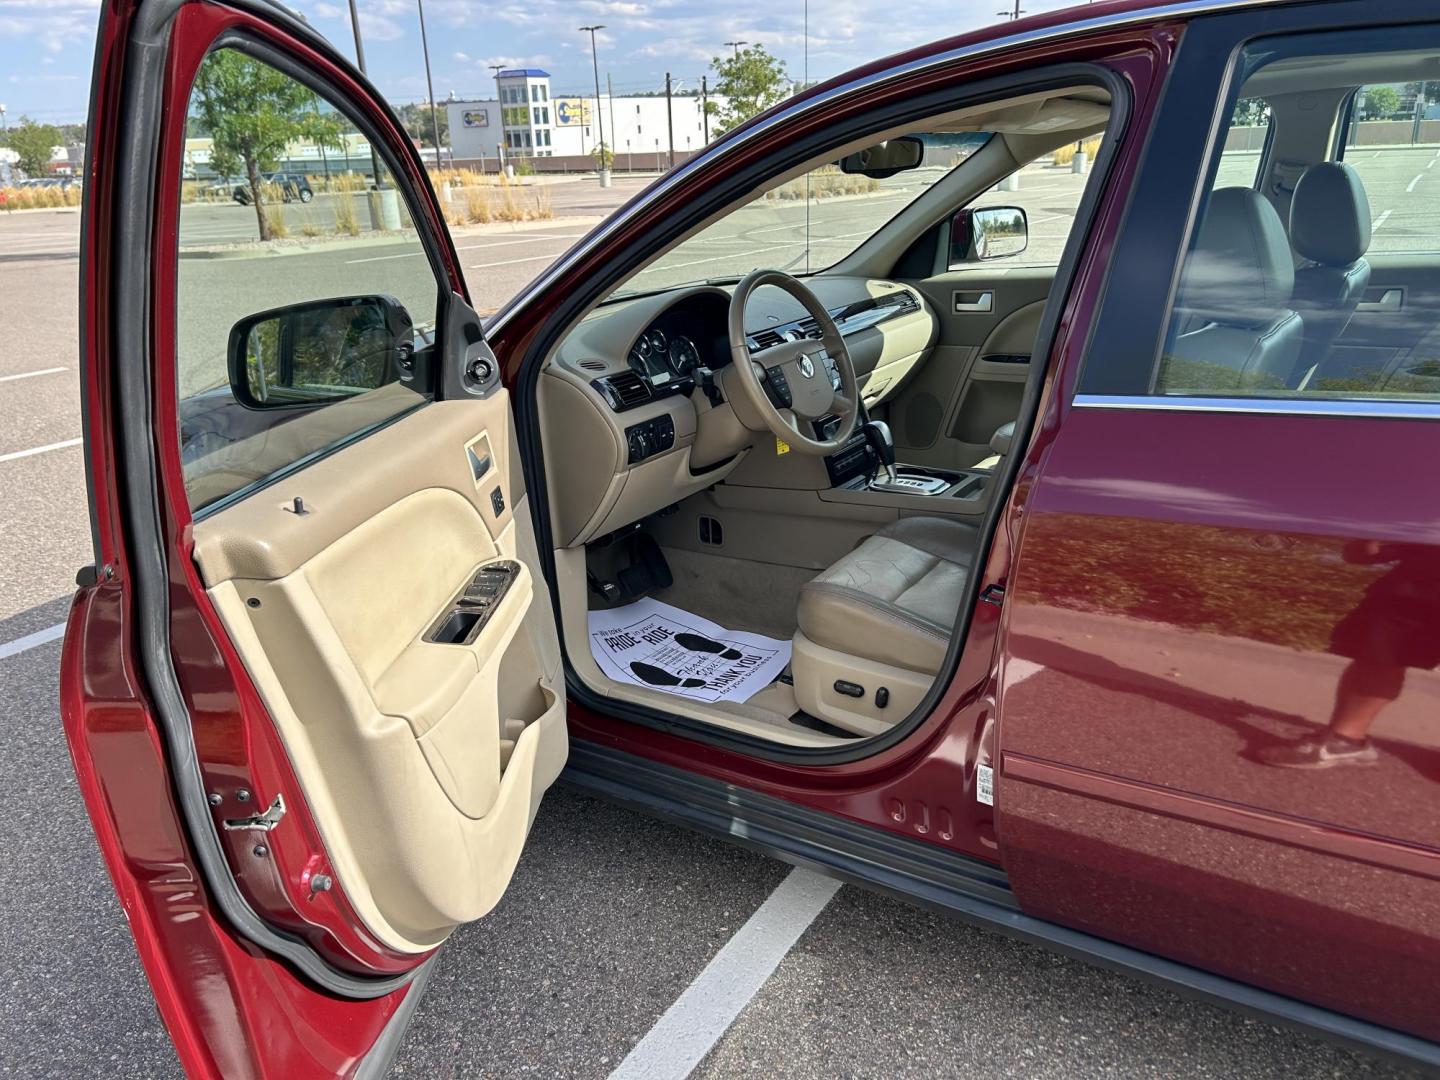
1179, 9
1360, 409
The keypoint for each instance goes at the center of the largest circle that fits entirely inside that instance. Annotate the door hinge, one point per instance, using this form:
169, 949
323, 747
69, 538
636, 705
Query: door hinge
264, 822
993, 594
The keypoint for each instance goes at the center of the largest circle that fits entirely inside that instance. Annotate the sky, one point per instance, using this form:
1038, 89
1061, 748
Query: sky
46, 46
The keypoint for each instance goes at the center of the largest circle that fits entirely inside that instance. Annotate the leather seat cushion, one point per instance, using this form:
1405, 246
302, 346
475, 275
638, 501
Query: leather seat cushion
894, 598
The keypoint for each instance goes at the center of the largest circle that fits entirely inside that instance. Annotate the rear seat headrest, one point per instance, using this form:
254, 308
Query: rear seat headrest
1240, 270
1330, 214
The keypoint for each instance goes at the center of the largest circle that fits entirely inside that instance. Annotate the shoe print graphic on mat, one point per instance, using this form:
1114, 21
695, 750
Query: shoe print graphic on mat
696, 643
660, 677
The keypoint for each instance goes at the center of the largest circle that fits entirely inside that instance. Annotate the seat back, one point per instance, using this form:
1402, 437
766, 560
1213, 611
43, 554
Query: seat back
1235, 326
1330, 229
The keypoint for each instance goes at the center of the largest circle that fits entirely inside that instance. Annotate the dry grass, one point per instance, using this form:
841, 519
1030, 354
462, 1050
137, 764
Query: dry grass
1066, 154
491, 198
38, 198
827, 182
347, 219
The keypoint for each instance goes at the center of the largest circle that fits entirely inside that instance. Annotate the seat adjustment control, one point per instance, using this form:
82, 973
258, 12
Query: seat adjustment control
849, 689
882, 697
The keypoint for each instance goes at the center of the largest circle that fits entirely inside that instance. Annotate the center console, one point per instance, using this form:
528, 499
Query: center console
867, 464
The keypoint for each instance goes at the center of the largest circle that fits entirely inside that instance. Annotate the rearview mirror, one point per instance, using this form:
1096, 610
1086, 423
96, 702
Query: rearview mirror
885, 159
989, 232
319, 351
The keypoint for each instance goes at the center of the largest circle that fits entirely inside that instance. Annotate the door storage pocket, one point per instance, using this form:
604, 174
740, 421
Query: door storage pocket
463, 750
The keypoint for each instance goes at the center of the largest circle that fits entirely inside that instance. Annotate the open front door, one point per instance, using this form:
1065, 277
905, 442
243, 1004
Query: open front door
313, 687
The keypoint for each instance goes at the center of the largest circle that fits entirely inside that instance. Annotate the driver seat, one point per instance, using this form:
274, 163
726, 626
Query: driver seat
874, 628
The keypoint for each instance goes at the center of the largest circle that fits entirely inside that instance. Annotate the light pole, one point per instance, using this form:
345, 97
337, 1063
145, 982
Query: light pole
360, 61
500, 105
1014, 14
430, 86
733, 44
599, 112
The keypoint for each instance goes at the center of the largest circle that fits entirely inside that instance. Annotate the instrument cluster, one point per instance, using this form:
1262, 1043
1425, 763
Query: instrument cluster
662, 358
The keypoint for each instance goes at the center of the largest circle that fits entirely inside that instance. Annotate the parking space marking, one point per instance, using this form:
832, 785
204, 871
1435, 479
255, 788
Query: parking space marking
694, 1023
32, 374
1380, 221
31, 641
1418, 178
466, 247
40, 449
511, 262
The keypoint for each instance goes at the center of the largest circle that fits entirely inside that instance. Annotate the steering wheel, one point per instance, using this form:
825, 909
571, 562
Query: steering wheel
795, 382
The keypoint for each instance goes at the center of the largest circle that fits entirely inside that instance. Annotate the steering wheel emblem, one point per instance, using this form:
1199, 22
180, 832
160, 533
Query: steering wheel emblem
807, 368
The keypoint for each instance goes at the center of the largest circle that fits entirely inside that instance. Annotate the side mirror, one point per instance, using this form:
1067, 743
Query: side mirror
320, 351
885, 159
989, 232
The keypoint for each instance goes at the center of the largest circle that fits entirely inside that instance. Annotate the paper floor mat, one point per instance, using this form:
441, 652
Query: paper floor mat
666, 648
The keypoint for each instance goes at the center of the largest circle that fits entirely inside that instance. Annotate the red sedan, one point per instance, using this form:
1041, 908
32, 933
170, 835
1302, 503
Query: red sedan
997, 476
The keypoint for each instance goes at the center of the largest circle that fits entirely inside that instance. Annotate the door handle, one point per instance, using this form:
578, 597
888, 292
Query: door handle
1390, 300
970, 302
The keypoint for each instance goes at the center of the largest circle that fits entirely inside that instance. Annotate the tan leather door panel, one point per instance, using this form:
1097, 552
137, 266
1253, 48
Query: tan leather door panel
423, 761
972, 382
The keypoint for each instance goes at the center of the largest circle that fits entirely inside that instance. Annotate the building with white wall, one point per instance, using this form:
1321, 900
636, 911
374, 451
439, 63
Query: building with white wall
528, 121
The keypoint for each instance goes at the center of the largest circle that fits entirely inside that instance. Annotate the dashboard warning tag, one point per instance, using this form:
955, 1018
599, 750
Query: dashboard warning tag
985, 785
781, 447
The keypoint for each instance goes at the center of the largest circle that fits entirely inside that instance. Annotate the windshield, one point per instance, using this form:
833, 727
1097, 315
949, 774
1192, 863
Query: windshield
803, 225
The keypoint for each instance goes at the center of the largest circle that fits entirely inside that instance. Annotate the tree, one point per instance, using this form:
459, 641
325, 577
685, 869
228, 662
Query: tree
1381, 101
416, 118
33, 144
251, 113
748, 82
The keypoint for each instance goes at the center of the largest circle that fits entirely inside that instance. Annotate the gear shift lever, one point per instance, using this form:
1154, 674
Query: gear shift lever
877, 437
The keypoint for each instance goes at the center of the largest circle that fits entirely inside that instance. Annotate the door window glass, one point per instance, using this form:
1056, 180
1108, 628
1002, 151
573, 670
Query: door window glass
1047, 192
305, 300
1326, 287
1391, 137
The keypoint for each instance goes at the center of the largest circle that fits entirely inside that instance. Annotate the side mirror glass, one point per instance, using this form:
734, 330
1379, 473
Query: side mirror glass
885, 159
320, 351
990, 232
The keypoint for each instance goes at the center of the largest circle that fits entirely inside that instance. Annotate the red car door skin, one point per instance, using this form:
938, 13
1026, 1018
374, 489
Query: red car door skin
231, 1007
1192, 592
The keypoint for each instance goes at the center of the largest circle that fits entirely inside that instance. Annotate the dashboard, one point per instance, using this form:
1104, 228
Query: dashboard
637, 405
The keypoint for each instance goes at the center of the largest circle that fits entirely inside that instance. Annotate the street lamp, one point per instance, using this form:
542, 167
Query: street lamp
360, 61
430, 87
500, 108
599, 112
736, 46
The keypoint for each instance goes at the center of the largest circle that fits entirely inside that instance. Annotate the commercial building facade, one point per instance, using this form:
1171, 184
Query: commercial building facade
528, 121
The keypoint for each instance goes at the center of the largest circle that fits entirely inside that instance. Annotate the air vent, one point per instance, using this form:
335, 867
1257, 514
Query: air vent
626, 390
593, 365
764, 339
809, 328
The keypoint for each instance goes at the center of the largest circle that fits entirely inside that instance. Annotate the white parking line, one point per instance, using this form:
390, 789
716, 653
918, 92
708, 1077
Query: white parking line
40, 449
30, 641
512, 262
1380, 221
1418, 178
32, 374
694, 1023
468, 247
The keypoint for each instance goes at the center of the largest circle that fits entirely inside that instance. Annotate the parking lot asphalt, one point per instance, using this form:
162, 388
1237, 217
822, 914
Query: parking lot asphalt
610, 916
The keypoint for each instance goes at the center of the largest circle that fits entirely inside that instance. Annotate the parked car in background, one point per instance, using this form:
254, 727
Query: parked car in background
1081, 519
293, 186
